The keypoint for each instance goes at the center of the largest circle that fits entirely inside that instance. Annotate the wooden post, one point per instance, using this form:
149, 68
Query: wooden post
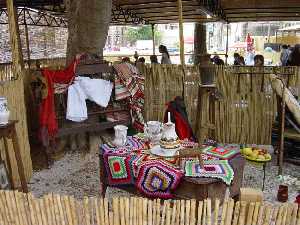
226, 55
14, 35
281, 138
181, 38
27, 38
153, 38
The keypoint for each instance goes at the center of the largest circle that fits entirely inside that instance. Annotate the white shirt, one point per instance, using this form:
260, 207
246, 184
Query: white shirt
96, 90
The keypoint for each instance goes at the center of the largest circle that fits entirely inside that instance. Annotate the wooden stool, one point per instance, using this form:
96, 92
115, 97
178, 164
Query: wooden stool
9, 131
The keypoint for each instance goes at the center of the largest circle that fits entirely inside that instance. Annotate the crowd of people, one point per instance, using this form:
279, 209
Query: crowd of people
290, 56
165, 57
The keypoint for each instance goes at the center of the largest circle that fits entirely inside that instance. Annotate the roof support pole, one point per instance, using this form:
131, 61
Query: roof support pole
153, 38
181, 37
27, 39
227, 40
15, 41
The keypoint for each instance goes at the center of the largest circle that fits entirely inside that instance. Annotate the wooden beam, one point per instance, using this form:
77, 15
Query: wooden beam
15, 41
181, 37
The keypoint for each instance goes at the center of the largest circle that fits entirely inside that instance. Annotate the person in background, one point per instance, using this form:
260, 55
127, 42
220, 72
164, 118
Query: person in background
284, 56
126, 60
236, 57
141, 60
165, 57
136, 56
294, 58
153, 59
217, 60
242, 61
259, 60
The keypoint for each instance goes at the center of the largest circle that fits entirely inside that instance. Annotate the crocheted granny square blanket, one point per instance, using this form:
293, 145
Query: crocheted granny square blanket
214, 168
158, 179
118, 169
221, 152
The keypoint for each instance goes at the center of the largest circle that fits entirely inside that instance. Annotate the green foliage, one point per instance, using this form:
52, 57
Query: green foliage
142, 33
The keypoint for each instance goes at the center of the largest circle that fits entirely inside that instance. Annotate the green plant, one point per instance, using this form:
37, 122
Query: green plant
142, 33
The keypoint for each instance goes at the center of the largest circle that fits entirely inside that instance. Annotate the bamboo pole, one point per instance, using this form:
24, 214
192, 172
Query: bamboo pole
216, 212
168, 213
294, 214
127, 211
27, 38
266, 220
204, 212
208, 209
153, 38
255, 214
150, 212
228, 219
242, 213
182, 207
122, 210
200, 208
163, 214
227, 41
145, 206
15, 40
187, 211
193, 212
250, 213
224, 210
177, 222
236, 214
181, 37
280, 215
174, 212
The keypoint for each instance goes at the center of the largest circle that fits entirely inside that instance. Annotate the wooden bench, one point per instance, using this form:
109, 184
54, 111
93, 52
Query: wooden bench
96, 114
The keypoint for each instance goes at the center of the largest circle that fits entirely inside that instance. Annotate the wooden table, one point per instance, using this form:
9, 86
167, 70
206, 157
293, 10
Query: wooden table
8, 131
193, 188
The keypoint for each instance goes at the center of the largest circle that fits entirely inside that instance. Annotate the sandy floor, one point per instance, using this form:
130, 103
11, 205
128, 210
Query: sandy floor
77, 174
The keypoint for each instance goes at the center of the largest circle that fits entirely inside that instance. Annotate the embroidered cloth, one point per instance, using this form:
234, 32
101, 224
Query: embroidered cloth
222, 152
212, 168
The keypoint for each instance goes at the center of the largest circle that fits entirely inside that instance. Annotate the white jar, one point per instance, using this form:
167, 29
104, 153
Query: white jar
4, 112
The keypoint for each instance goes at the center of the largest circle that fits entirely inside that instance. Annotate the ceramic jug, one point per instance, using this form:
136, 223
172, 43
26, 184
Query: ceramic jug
152, 130
4, 112
120, 135
169, 132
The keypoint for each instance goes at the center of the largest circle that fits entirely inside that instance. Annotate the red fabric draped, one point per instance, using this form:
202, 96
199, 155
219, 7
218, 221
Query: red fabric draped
47, 110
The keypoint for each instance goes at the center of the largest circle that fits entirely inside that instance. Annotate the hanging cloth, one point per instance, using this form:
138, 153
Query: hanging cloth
48, 123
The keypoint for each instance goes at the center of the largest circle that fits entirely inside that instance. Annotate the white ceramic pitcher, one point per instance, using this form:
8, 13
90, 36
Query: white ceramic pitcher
120, 135
153, 130
4, 112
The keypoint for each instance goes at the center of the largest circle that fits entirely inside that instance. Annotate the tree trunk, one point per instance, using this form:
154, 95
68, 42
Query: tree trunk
88, 22
88, 26
199, 42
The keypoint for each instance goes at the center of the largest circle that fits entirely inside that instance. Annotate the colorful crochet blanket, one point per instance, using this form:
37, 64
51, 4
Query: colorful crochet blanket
213, 168
130, 78
157, 179
222, 152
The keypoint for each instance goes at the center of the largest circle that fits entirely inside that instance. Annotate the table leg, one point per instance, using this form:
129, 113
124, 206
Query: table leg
264, 178
9, 168
19, 160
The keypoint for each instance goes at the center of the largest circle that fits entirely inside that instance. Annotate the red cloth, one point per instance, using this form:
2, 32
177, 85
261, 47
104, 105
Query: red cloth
182, 127
298, 199
47, 110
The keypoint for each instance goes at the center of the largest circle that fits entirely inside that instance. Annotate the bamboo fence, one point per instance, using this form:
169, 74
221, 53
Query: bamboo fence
13, 90
244, 114
53, 209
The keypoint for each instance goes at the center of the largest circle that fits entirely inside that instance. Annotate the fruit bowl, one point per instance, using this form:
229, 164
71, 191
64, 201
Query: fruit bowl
256, 155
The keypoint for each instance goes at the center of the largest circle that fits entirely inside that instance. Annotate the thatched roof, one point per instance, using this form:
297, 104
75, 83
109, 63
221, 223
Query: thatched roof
165, 11
160, 11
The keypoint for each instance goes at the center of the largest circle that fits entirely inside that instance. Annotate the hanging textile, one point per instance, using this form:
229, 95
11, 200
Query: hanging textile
48, 123
129, 77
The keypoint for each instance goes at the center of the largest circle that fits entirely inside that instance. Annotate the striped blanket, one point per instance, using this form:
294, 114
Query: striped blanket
130, 85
